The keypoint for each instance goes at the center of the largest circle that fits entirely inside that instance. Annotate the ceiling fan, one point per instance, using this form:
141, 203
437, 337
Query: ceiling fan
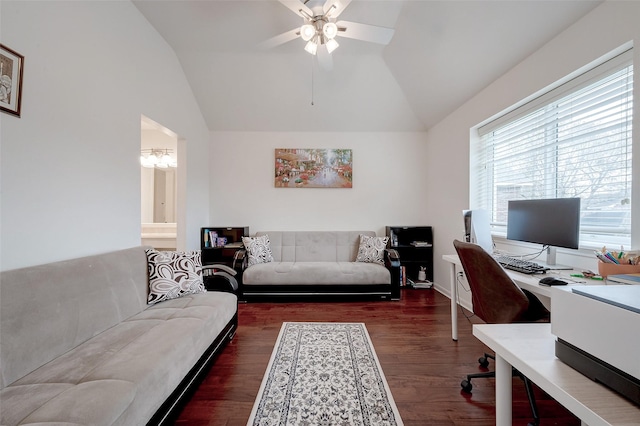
320, 28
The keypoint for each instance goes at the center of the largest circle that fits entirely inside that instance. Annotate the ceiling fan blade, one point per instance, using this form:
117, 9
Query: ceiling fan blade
380, 35
280, 39
325, 60
298, 7
340, 5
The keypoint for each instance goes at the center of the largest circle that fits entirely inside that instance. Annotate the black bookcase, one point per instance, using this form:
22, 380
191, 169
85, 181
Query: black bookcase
215, 249
415, 247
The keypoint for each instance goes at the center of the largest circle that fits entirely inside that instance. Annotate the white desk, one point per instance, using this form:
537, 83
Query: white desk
527, 282
530, 349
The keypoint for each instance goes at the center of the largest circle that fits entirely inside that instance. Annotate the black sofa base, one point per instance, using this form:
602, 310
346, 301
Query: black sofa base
271, 292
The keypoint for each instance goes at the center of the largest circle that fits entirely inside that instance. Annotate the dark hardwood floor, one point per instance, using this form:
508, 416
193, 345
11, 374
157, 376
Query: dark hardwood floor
412, 339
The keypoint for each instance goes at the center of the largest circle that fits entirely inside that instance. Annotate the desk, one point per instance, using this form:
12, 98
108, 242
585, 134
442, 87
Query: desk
527, 282
530, 349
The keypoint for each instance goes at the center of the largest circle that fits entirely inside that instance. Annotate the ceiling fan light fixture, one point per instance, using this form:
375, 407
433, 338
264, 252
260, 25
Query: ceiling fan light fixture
330, 29
307, 32
311, 47
336, 6
332, 45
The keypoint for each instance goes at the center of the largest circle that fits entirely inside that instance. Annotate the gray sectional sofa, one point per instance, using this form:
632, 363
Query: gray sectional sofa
80, 345
319, 263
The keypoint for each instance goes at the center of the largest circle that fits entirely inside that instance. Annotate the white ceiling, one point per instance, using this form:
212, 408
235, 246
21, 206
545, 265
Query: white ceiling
443, 53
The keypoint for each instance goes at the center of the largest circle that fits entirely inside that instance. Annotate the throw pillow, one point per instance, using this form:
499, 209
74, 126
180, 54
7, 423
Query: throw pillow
371, 249
173, 274
258, 249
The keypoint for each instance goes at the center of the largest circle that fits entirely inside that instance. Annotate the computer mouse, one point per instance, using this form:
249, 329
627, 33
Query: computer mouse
552, 281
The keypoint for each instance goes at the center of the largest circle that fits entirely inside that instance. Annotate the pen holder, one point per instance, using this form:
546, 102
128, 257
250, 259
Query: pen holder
605, 269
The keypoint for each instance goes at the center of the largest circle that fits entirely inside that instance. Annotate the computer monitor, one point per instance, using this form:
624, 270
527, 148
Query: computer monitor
553, 222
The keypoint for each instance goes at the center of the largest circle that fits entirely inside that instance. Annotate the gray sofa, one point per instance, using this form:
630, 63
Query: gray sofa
80, 345
319, 263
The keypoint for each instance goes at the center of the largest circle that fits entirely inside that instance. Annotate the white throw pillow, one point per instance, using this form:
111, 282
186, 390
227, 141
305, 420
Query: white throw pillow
258, 249
173, 274
371, 249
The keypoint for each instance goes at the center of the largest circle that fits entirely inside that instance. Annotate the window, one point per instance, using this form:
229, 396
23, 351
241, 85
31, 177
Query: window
574, 141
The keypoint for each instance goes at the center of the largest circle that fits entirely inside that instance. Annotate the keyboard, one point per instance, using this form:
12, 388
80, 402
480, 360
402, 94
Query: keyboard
519, 265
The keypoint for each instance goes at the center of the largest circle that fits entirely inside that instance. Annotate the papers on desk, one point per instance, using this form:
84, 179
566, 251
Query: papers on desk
624, 278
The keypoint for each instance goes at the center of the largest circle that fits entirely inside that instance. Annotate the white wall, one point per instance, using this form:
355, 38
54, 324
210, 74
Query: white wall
70, 168
601, 31
389, 171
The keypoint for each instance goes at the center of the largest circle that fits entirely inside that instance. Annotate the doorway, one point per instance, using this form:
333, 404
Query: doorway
159, 185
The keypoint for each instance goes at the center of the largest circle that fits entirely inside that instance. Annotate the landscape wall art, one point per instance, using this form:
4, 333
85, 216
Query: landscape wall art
313, 168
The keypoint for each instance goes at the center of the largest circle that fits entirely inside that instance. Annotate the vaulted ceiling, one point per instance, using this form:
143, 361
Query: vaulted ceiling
442, 53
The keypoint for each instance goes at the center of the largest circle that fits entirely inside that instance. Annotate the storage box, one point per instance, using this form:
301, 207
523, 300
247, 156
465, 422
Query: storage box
605, 269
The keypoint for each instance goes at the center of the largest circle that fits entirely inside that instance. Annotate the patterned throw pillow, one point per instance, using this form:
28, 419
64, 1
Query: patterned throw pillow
371, 249
173, 274
258, 249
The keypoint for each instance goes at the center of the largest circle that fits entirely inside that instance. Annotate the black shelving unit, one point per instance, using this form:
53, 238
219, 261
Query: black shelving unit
414, 244
213, 251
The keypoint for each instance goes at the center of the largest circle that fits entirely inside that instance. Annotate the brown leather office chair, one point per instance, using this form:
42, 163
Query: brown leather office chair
497, 300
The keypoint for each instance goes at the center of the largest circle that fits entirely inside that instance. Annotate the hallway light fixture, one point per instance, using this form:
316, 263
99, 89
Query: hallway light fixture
157, 157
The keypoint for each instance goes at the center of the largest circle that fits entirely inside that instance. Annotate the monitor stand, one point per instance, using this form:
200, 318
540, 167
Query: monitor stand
551, 261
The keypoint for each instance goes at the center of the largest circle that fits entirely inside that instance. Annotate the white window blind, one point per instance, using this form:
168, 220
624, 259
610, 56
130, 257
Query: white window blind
574, 141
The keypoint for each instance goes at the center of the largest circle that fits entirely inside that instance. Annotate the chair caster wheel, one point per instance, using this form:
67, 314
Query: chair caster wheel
483, 361
466, 386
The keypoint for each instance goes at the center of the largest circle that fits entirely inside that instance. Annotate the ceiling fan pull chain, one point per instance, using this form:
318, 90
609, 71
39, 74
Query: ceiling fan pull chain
312, 81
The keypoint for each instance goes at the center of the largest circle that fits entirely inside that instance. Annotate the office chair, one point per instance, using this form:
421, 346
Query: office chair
497, 300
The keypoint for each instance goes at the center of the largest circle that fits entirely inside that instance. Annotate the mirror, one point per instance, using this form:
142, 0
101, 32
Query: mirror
159, 195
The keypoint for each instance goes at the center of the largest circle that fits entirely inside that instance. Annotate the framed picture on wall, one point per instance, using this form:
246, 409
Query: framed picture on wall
11, 64
313, 168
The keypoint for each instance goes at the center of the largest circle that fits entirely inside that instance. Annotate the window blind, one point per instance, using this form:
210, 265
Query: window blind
574, 141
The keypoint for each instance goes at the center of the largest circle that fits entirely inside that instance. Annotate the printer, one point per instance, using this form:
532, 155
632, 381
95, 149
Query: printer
597, 329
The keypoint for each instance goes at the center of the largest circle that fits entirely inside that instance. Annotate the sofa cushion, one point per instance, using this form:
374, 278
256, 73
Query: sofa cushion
173, 274
258, 249
371, 249
315, 246
47, 310
97, 403
316, 273
125, 373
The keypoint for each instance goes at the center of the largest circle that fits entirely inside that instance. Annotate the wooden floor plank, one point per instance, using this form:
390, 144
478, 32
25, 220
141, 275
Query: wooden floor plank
412, 339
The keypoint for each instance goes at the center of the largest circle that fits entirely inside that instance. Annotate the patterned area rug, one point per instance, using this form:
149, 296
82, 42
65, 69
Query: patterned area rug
324, 374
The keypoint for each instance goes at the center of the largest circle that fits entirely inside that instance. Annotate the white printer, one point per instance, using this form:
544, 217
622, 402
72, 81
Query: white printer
598, 333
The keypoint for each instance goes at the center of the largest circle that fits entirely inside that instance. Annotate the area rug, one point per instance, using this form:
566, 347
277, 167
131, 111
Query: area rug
324, 374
